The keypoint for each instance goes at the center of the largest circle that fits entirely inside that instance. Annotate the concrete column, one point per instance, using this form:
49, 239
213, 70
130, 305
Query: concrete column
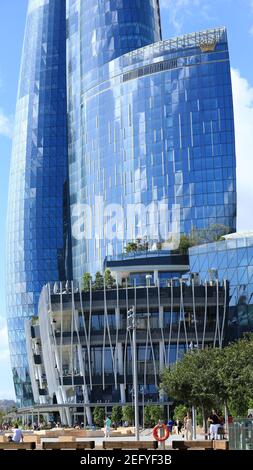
87, 408
156, 277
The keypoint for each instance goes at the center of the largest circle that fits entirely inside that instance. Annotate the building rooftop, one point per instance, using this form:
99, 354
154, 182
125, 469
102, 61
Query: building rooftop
200, 39
234, 236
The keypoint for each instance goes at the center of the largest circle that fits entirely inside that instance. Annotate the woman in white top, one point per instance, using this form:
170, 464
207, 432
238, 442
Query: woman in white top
188, 427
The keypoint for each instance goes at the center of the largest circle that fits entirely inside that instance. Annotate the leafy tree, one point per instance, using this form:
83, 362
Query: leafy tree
236, 374
142, 244
180, 412
2, 415
99, 416
131, 247
128, 414
213, 233
184, 244
109, 279
138, 245
86, 282
99, 281
152, 414
212, 378
194, 381
116, 414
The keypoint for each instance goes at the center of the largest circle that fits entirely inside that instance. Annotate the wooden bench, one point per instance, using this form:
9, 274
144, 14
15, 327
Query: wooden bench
206, 445
68, 445
17, 445
221, 445
136, 445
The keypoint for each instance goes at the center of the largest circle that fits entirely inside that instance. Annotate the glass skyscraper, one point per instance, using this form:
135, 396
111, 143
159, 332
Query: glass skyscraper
109, 117
152, 126
37, 233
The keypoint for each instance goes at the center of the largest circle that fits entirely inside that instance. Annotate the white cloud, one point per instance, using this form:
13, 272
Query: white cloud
243, 111
180, 10
6, 125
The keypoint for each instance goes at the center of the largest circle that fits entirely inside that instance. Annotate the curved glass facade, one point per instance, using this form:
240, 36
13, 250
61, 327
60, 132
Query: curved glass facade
111, 28
230, 259
153, 126
37, 229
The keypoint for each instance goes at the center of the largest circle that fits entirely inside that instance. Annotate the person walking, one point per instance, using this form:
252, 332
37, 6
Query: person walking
214, 421
178, 426
188, 427
170, 425
107, 426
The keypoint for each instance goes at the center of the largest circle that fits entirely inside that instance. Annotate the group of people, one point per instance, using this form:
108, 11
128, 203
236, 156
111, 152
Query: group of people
185, 428
180, 426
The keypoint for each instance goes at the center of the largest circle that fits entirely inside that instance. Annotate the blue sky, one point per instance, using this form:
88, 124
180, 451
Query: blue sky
178, 17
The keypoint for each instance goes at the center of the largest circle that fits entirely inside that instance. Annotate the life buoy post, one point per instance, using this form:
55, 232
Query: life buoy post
161, 433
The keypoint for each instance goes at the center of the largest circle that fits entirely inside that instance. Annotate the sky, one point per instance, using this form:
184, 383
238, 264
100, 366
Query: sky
178, 17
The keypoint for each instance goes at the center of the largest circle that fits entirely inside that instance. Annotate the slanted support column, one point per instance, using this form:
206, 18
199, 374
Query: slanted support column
161, 349
65, 414
161, 343
87, 408
119, 347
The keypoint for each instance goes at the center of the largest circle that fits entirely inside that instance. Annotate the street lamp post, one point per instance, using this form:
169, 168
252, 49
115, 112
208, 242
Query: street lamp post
143, 406
131, 325
193, 346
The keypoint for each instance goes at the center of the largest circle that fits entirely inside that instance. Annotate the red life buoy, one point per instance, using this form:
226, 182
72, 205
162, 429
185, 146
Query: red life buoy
156, 432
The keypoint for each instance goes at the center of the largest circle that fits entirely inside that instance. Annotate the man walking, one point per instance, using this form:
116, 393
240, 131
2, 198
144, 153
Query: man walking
214, 421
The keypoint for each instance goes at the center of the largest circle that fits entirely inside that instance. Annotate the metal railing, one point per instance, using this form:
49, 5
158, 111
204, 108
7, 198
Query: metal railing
141, 254
241, 434
195, 39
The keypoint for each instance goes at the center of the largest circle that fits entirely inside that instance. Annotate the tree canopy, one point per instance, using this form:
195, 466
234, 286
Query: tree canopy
213, 377
214, 232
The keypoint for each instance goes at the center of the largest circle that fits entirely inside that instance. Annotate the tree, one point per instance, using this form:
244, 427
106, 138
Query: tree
180, 412
210, 234
194, 381
116, 414
109, 279
212, 378
152, 414
184, 244
236, 374
142, 244
99, 281
2, 415
128, 414
99, 416
131, 247
138, 245
86, 282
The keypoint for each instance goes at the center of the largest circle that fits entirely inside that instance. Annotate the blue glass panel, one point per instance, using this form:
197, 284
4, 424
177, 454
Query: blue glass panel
37, 233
